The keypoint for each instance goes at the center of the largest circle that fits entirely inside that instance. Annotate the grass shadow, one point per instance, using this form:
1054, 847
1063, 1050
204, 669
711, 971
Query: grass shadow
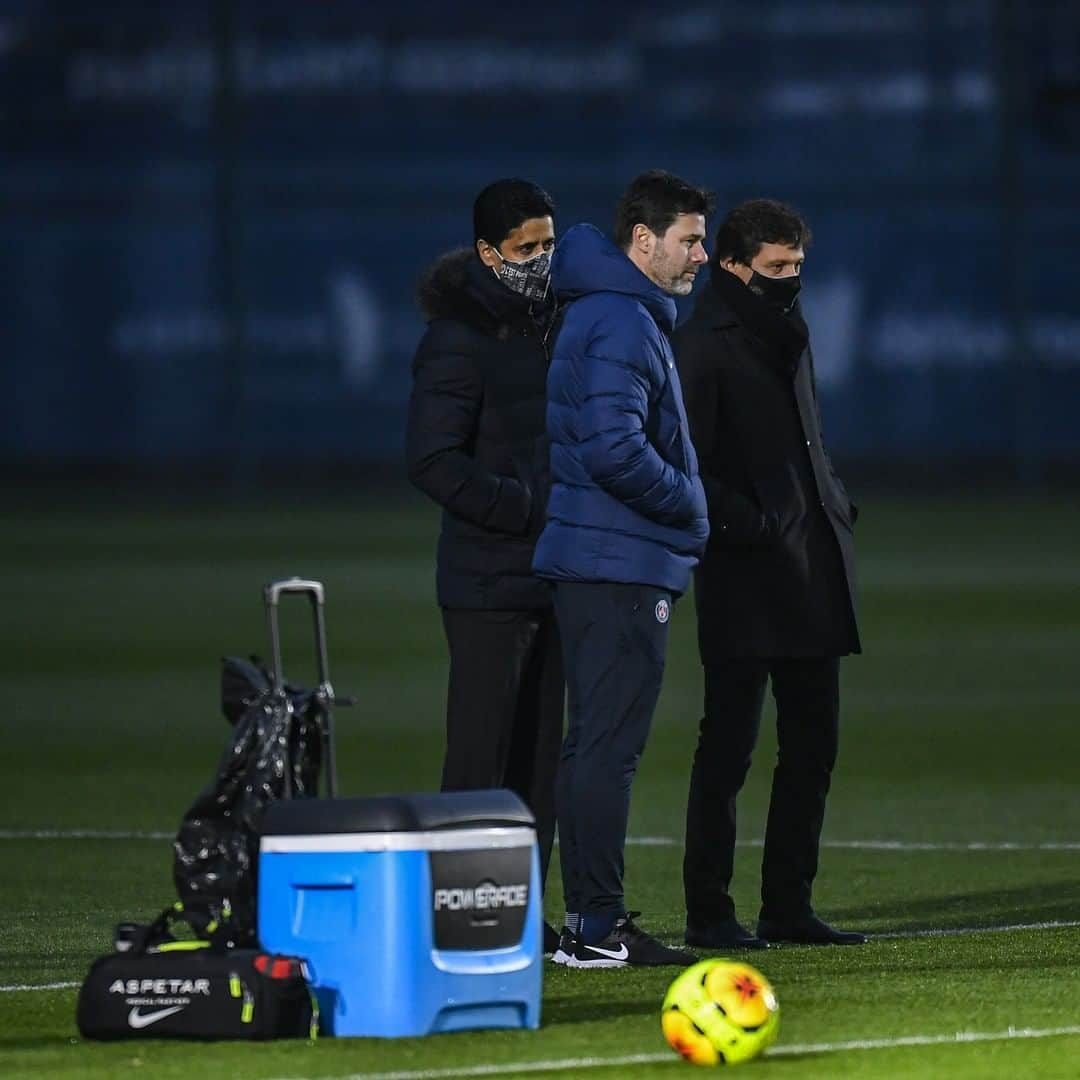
560, 1011
990, 908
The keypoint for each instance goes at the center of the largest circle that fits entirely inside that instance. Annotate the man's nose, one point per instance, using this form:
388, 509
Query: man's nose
698, 253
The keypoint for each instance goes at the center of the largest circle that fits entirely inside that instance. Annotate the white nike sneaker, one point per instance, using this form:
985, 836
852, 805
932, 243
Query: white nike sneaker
627, 945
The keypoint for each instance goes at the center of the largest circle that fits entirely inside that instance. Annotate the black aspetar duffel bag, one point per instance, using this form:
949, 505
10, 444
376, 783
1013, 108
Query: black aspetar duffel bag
162, 987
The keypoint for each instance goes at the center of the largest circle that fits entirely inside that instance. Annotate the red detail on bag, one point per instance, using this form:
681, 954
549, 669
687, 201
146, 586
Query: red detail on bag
277, 967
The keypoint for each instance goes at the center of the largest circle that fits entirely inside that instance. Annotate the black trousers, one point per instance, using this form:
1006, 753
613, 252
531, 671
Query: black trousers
807, 698
504, 709
614, 642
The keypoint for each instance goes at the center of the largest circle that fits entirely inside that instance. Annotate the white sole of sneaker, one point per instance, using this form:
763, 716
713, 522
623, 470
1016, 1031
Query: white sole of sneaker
599, 962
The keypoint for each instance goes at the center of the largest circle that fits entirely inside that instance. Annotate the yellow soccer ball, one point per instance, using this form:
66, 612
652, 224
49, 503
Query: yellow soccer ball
720, 1012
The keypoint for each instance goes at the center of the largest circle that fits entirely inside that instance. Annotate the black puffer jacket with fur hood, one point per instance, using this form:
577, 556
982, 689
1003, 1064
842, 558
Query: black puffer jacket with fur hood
475, 440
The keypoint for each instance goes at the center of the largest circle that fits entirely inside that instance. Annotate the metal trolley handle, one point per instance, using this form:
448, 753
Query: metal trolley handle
324, 692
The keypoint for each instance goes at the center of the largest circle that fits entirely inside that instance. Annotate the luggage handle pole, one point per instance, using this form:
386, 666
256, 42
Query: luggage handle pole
324, 692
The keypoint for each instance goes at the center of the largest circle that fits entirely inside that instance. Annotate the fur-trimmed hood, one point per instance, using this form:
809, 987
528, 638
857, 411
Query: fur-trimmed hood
459, 286
441, 290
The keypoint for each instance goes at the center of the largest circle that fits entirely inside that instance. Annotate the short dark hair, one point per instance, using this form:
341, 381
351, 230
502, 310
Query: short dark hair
757, 222
504, 205
655, 199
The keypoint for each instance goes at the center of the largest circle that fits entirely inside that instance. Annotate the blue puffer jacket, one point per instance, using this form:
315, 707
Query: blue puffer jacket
626, 503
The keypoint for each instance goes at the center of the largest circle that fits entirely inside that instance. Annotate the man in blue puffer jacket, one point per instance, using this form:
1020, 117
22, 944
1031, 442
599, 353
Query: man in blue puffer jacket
626, 521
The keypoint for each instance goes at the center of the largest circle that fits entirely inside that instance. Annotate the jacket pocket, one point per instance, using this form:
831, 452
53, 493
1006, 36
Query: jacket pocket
671, 446
533, 472
738, 518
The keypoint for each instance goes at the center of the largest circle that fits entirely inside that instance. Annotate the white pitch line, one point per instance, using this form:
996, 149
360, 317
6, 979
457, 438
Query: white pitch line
38, 986
793, 1050
511, 1068
891, 845
966, 931
973, 845
959, 1037
82, 834
632, 841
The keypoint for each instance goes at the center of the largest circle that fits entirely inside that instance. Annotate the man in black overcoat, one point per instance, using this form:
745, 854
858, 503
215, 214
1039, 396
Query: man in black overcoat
775, 590
476, 443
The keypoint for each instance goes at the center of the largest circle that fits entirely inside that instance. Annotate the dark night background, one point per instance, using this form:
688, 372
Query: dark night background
215, 213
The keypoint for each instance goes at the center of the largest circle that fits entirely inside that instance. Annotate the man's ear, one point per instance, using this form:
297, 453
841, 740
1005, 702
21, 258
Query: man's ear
488, 255
743, 272
643, 239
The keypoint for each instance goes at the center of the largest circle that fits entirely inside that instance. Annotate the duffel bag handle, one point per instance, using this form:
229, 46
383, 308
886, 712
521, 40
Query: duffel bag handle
211, 932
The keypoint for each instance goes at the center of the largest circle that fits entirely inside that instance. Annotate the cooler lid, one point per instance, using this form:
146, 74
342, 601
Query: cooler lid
423, 812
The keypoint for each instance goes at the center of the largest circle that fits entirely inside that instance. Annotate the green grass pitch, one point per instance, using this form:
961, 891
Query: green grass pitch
953, 832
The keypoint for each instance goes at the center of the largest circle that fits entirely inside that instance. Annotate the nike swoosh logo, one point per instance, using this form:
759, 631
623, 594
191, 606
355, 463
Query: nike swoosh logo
616, 954
139, 1020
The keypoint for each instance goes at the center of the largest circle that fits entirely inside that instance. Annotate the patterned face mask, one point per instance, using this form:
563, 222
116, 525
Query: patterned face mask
529, 278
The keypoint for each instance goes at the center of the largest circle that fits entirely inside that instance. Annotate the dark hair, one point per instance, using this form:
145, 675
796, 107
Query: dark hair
757, 222
655, 199
504, 205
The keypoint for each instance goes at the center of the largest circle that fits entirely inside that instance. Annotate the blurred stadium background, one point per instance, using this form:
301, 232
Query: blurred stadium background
215, 212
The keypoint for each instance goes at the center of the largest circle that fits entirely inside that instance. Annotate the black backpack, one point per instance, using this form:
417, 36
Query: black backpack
275, 752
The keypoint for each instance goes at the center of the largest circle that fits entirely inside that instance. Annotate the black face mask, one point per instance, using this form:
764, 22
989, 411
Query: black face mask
778, 292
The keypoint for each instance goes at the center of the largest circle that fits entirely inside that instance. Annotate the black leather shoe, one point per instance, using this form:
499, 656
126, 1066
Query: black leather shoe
807, 930
726, 934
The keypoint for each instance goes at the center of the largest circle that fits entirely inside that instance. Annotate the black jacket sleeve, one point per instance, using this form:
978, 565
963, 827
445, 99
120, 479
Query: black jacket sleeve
734, 517
444, 411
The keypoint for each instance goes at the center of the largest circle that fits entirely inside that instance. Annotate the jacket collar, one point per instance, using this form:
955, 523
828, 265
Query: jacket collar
728, 302
459, 286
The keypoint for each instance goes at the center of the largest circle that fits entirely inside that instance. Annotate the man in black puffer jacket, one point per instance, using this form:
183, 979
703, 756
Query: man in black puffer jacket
476, 444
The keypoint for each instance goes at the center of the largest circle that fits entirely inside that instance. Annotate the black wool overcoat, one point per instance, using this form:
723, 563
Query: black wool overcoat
475, 436
778, 577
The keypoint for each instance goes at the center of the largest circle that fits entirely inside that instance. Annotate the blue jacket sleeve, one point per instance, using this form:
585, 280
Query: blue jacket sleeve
615, 450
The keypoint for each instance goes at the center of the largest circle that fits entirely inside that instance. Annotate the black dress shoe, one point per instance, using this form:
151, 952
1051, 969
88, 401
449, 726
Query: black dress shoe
726, 934
807, 930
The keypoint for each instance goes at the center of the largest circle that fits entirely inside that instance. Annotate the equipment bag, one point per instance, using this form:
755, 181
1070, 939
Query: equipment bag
158, 987
282, 736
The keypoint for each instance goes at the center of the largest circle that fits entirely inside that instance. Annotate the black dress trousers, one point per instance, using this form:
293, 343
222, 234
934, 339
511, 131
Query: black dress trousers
504, 709
806, 691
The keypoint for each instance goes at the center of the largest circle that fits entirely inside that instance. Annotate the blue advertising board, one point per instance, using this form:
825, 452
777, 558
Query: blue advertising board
215, 214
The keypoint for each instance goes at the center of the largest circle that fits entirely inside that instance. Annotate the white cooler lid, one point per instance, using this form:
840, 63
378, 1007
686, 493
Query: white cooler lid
466, 839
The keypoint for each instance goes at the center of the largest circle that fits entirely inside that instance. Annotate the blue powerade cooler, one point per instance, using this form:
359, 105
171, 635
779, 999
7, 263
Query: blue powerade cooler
416, 913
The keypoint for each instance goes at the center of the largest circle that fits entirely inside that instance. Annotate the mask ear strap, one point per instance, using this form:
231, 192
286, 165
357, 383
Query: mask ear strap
492, 247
